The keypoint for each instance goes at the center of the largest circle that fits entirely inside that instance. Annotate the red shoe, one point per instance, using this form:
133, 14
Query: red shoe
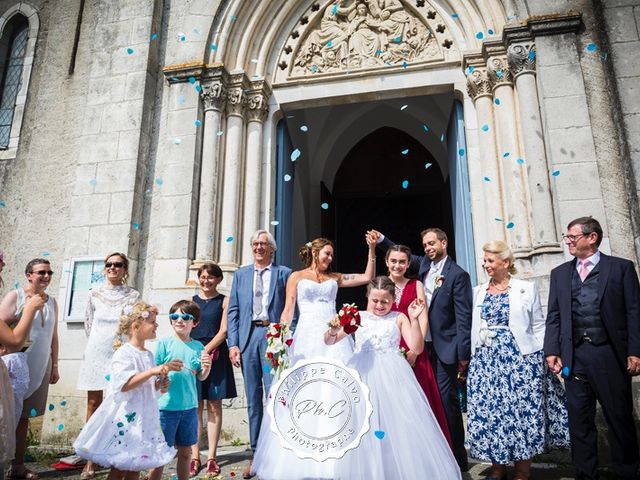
213, 468
194, 467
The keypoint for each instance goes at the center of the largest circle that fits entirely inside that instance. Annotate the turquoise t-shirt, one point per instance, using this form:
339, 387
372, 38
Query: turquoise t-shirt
182, 394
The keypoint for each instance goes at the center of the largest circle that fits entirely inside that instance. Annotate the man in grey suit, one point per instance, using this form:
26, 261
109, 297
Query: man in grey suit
256, 300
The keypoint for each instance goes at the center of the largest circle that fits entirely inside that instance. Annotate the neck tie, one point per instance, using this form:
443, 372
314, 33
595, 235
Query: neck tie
257, 295
584, 269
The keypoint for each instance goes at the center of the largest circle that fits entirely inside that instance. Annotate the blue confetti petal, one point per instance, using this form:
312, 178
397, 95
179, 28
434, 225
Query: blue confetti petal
520, 161
486, 179
63, 403
136, 226
198, 88
324, 206
266, 369
592, 47
33, 412
219, 133
565, 372
425, 127
45, 254
159, 181
275, 222
177, 141
295, 155
442, 137
498, 219
479, 35
181, 99
229, 239
398, 39
334, 10
490, 32
304, 128
405, 184
506, 154
405, 64
154, 37
213, 47
379, 434
314, 68
93, 182
198, 123
454, 15
3, 203
287, 178
470, 69
192, 80
330, 43
532, 55
555, 173
405, 151
461, 152
510, 225
60, 427
497, 101
403, 107
485, 128
51, 406
130, 51
427, 165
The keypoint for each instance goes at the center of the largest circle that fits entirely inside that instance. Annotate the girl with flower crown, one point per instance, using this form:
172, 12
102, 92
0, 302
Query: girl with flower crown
124, 432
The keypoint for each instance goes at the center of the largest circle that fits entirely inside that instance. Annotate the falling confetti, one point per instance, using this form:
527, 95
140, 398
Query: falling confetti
197, 31
379, 434
405, 184
314, 68
177, 141
33, 412
192, 80
334, 10
555, 173
266, 369
403, 107
304, 128
45, 254
490, 32
592, 47
479, 35
154, 37
51, 406
287, 178
455, 15
565, 372
60, 427
398, 39
330, 43
219, 133
510, 225
498, 219
427, 165
130, 416
93, 182
275, 222
532, 55
425, 127
182, 37
213, 47
470, 69
485, 128
405, 151
486, 179
499, 73
405, 64
198, 88
497, 101
130, 51
325, 206
63, 403
461, 152
198, 123
295, 155
506, 154
107, 377
229, 239
159, 181
181, 99
442, 137
520, 161
136, 226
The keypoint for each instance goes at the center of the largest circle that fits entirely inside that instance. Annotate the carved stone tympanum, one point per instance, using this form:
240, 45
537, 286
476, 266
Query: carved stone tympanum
361, 34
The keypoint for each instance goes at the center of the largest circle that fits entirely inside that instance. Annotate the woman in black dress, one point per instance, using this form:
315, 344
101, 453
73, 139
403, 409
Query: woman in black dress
220, 384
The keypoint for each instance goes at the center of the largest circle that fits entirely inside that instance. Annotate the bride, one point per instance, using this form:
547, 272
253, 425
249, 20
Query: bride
314, 289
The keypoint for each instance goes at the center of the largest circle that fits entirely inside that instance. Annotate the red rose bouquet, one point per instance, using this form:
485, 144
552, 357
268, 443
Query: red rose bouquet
279, 339
348, 318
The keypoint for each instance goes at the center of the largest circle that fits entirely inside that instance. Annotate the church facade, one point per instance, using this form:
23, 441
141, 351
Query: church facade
173, 130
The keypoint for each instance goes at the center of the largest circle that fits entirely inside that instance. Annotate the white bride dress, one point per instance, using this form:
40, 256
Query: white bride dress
316, 305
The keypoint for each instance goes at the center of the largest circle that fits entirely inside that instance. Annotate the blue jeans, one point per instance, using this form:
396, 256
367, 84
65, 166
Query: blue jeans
180, 427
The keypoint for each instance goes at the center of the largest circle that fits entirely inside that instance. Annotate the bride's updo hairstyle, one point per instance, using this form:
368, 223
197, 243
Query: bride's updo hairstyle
382, 283
310, 251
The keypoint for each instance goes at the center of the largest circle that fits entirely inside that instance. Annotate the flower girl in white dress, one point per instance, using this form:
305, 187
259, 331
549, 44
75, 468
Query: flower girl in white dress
124, 433
404, 440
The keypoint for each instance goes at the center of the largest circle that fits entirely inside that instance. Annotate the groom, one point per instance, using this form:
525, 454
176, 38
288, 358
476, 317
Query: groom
449, 297
256, 300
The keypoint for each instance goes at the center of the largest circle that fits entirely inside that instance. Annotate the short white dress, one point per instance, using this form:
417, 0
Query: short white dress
104, 308
125, 432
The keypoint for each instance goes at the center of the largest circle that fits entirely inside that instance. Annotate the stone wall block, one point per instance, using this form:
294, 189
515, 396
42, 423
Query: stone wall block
109, 238
629, 94
556, 50
116, 176
87, 210
626, 58
76, 240
100, 65
175, 146
98, 148
177, 179
92, 121
564, 112
128, 10
622, 24
121, 208
576, 182
173, 242
572, 145
122, 116
169, 273
85, 176
579, 208
106, 90
134, 85
115, 35
122, 62
561, 80
175, 210
182, 122
141, 31
127, 145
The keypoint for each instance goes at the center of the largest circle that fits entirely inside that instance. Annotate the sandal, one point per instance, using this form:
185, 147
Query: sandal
212, 467
194, 467
87, 475
26, 474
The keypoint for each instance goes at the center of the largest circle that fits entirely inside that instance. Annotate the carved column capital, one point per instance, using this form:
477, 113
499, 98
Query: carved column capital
257, 101
237, 95
498, 71
522, 58
214, 95
478, 84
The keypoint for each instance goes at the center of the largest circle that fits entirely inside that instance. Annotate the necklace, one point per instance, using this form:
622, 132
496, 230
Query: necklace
498, 288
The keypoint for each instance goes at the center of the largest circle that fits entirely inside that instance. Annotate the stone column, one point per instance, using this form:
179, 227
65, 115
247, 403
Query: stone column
231, 218
513, 173
479, 89
522, 63
214, 99
257, 111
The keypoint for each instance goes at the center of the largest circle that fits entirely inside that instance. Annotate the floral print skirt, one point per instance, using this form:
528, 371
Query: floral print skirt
516, 406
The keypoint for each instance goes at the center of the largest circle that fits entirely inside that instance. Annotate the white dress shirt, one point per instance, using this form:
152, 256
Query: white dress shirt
594, 259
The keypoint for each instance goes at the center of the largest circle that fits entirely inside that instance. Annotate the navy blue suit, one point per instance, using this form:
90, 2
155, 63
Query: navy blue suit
450, 326
598, 372
251, 339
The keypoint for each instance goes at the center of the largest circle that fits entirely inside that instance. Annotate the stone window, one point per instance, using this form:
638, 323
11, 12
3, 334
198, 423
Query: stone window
19, 27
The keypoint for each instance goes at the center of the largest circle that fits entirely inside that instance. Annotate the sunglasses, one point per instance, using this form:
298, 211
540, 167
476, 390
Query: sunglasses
114, 265
42, 273
184, 316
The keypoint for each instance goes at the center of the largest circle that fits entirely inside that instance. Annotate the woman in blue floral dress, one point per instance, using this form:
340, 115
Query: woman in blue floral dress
516, 406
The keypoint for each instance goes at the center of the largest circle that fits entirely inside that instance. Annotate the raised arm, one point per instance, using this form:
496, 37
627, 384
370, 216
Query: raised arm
423, 318
357, 279
410, 327
385, 243
291, 296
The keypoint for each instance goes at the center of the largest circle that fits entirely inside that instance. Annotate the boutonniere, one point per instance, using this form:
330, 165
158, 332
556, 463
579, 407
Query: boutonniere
437, 282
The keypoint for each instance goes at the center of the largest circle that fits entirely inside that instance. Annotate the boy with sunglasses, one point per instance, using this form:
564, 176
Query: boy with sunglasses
179, 406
